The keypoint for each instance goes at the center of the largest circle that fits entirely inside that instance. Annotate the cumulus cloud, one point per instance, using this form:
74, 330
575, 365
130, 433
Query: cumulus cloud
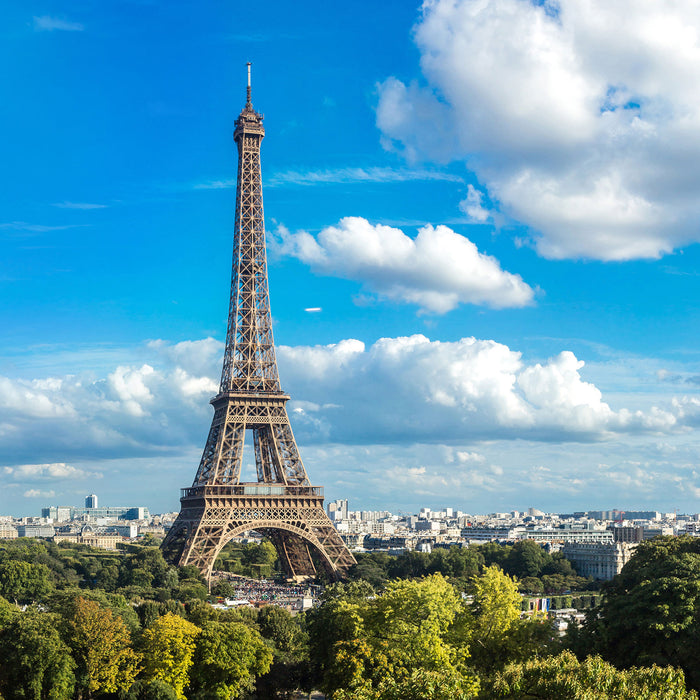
582, 119
638, 472
437, 270
417, 389
396, 391
140, 409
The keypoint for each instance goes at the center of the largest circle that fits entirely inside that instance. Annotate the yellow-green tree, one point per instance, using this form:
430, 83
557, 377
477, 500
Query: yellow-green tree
564, 676
101, 648
490, 626
228, 658
398, 645
168, 650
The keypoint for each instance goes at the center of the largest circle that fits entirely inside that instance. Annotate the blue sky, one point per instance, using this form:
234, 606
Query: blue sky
493, 205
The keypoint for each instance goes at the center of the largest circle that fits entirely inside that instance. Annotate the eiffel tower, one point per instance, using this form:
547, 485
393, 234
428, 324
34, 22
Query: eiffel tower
282, 504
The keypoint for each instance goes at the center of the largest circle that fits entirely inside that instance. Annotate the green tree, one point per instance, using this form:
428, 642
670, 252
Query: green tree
412, 564
168, 650
101, 647
24, 582
278, 625
370, 568
419, 684
225, 589
62, 603
198, 612
108, 577
494, 553
531, 584
558, 564
465, 561
564, 676
149, 690
189, 573
291, 668
228, 658
411, 620
651, 610
190, 590
7, 612
525, 558
145, 566
258, 560
36, 663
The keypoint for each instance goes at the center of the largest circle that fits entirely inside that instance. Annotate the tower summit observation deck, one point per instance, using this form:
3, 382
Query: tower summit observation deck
282, 504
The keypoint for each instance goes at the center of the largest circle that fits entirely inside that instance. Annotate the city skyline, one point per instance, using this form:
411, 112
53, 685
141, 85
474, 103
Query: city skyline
483, 263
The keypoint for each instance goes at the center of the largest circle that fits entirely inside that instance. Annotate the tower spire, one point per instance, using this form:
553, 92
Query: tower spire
248, 103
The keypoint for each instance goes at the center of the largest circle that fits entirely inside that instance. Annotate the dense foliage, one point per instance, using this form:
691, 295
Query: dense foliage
651, 611
537, 571
78, 623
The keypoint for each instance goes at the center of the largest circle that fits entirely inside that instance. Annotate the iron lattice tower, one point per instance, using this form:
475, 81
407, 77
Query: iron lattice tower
282, 504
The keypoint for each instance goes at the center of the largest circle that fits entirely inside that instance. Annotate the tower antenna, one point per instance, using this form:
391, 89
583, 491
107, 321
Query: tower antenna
248, 102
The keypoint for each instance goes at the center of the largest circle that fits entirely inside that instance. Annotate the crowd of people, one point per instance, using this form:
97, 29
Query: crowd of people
262, 591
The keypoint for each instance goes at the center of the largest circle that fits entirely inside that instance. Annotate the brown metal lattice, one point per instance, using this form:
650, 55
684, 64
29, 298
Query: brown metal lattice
219, 506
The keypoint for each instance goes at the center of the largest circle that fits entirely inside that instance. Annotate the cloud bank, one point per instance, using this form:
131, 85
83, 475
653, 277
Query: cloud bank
398, 390
462, 418
437, 270
416, 389
582, 119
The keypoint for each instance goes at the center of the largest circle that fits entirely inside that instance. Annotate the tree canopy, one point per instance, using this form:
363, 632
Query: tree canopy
651, 611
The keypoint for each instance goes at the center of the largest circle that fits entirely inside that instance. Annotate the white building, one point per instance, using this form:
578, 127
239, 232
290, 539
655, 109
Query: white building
600, 561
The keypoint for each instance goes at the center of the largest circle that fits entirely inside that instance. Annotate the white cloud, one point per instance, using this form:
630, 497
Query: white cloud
36, 493
215, 185
45, 23
340, 176
637, 474
30, 398
417, 389
58, 470
472, 205
437, 270
358, 175
32, 228
79, 205
395, 423
397, 390
582, 119
198, 357
138, 409
130, 386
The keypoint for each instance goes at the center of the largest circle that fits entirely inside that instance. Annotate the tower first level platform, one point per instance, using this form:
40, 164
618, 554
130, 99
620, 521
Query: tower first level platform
292, 517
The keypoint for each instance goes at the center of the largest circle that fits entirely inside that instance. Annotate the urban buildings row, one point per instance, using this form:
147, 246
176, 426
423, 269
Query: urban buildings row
599, 543
91, 524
